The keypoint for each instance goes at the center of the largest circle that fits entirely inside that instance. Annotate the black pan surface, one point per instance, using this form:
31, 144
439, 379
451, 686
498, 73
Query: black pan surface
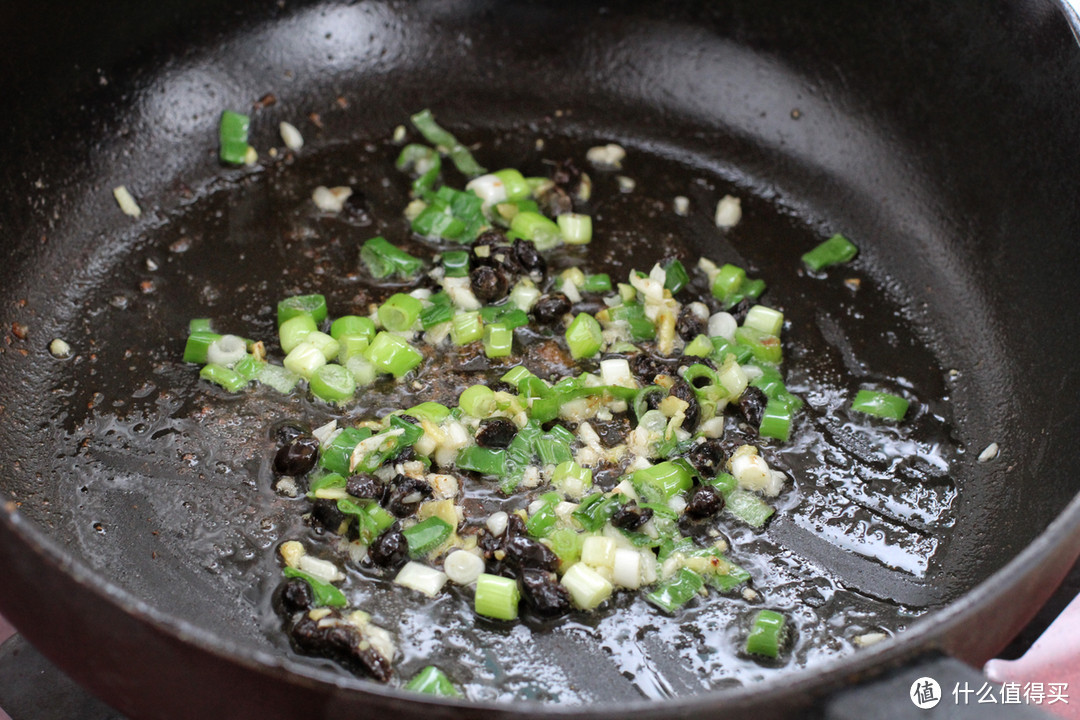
939, 141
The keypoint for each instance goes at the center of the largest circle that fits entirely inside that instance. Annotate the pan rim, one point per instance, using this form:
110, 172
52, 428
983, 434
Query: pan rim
1062, 535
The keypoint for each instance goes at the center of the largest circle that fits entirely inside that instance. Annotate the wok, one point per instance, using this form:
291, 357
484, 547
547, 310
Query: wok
942, 138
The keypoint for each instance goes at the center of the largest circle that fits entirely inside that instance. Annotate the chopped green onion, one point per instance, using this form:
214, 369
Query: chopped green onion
595, 510
313, 305
534, 226
362, 370
466, 327
517, 188
478, 401
601, 282
233, 137
431, 411
325, 593
281, 379
763, 346
730, 286
772, 384
304, 360
485, 461
399, 312
767, 634
498, 340
497, 597
880, 404
352, 346
197, 344
223, 376
329, 481
456, 263
724, 482
675, 277
565, 543
837, 249
633, 314
776, 421
576, 229
327, 345
426, 535
541, 522
765, 319
433, 681
248, 368
444, 140
748, 507
391, 354
436, 314
676, 591
641, 399
584, 336
353, 325
333, 383
335, 455
199, 325
553, 450
384, 259
727, 281
700, 346
295, 330
571, 478
516, 374
587, 587
662, 481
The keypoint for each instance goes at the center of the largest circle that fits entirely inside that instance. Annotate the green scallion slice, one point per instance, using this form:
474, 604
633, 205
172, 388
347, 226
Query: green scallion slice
584, 336
313, 305
426, 535
399, 312
383, 259
497, 597
233, 137
444, 140
433, 681
325, 593
767, 635
333, 383
834, 251
676, 591
392, 354
880, 404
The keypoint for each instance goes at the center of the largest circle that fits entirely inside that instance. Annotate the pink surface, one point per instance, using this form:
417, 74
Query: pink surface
1054, 658
6, 631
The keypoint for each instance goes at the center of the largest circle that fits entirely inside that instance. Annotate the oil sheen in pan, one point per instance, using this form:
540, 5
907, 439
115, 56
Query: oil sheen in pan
177, 468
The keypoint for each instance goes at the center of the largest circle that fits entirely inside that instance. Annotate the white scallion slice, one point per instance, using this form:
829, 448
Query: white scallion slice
587, 587
320, 569
421, 578
226, 350
627, 568
463, 567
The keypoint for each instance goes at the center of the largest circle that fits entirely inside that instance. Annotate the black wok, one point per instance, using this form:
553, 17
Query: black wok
942, 138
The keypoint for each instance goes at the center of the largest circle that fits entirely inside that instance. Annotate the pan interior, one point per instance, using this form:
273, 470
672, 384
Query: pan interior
163, 486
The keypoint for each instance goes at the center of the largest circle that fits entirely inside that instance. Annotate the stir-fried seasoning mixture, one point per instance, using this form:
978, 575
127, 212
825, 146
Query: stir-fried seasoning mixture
603, 431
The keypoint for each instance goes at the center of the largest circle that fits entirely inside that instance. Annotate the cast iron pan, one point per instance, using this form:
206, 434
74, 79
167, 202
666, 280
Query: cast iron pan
137, 534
